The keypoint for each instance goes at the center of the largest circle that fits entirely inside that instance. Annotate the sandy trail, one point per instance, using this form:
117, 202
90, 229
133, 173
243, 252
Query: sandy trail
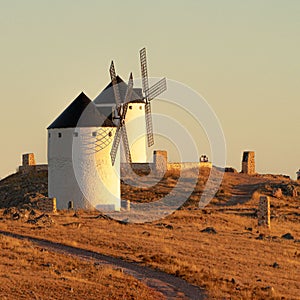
170, 286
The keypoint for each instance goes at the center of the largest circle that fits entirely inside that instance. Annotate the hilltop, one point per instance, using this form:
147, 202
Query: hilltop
220, 247
236, 188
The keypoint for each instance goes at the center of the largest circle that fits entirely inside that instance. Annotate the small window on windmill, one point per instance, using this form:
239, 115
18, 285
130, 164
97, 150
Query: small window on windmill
141, 107
75, 134
130, 106
59, 134
110, 133
94, 134
49, 135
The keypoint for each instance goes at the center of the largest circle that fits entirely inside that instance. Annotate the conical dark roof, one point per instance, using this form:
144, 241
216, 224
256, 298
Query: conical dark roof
82, 112
107, 95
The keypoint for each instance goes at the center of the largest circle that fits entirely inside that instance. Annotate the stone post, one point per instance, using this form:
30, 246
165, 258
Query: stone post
160, 161
264, 211
248, 162
28, 160
127, 205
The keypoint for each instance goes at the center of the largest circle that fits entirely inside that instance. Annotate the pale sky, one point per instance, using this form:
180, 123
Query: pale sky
241, 56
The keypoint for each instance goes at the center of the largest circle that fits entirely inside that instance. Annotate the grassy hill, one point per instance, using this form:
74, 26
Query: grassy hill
14, 188
220, 247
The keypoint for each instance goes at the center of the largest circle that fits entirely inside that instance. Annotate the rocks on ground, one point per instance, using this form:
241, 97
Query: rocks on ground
210, 230
28, 215
287, 236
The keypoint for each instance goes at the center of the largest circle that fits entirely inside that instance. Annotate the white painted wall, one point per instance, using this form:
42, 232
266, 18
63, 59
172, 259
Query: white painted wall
76, 172
136, 130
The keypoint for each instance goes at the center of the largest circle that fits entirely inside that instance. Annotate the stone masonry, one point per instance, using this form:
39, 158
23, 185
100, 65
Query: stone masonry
29, 165
160, 160
28, 160
248, 162
46, 204
264, 211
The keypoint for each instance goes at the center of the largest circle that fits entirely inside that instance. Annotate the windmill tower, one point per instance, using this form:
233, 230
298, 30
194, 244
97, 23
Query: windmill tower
138, 116
79, 162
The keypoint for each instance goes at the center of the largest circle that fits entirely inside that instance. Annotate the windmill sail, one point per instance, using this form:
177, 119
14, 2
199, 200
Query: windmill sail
144, 71
114, 82
121, 131
150, 94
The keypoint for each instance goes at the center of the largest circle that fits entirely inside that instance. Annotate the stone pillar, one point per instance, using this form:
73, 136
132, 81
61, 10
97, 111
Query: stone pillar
54, 204
248, 162
264, 211
125, 204
160, 160
28, 160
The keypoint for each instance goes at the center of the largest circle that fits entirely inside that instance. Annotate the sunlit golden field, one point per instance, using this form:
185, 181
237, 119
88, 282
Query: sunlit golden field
239, 260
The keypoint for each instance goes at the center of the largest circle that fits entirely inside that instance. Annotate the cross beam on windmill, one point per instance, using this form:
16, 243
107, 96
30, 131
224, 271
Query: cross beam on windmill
149, 94
121, 109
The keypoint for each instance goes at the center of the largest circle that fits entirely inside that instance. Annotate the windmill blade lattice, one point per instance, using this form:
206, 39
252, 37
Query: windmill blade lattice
121, 131
157, 89
126, 144
144, 71
113, 77
116, 142
149, 125
150, 94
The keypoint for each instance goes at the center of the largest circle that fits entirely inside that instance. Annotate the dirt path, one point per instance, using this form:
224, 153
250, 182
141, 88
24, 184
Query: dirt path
242, 193
170, 286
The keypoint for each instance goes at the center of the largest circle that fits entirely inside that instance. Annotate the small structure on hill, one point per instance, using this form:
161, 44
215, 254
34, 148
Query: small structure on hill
298, 174
29, 165
160, 160
203, 158
264, 211
28, 159
248, 162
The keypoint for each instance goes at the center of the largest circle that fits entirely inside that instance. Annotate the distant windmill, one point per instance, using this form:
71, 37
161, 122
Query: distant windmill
119, 100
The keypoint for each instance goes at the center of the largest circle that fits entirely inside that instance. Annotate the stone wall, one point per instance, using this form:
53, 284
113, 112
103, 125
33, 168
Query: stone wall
188, 165
46, 204
248, 162
34, 168
139, 167
146, 168
29, 165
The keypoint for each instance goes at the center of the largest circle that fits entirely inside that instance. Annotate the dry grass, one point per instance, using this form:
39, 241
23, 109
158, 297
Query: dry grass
231, 264
28, 272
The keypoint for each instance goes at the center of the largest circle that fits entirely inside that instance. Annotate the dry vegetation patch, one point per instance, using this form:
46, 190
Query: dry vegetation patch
30, 272
236, 259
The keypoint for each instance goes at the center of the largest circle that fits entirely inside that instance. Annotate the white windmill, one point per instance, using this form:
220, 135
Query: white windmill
83, 142
79, 165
